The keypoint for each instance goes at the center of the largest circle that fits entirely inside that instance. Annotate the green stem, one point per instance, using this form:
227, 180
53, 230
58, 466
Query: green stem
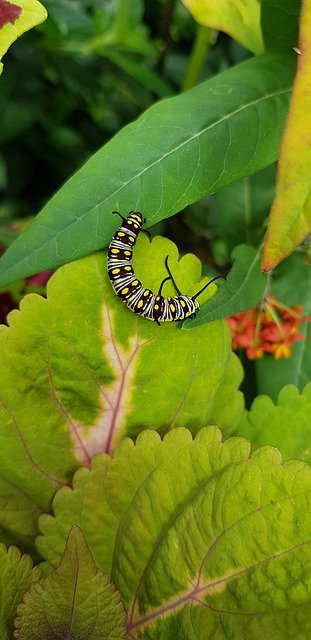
202, 42
120, 26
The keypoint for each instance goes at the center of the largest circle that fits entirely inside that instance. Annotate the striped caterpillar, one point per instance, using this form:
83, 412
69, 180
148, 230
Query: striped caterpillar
125, 283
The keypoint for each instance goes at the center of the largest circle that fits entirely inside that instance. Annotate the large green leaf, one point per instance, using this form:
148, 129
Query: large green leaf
178, 151
280, 24
16, 576
76, 601
201, 540
286, 424
79, 370
291, 285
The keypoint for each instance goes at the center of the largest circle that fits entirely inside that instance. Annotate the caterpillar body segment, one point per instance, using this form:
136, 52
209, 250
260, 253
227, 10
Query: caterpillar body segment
128, 287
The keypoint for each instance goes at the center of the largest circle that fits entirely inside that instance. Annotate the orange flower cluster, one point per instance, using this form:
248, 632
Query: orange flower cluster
272, 328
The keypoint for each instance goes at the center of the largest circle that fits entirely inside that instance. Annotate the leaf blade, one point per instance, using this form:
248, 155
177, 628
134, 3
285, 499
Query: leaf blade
243, 289
290, 216
174, 139
239, 19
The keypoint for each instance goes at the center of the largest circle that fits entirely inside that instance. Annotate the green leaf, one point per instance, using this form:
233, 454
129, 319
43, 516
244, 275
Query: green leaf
79, 370
16, 18
243, 289
75, 601
242, 208
285, 424
179, 150
291, 285
16, 576
201, 540
239, 18
280, 24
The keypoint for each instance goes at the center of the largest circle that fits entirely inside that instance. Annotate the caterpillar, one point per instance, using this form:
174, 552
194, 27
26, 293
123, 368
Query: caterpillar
128, 287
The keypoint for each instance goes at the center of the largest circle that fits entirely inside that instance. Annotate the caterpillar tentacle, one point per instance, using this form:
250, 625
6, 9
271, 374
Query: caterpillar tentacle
128, 287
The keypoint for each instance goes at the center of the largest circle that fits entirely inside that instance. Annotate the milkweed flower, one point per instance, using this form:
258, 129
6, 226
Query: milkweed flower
272, 327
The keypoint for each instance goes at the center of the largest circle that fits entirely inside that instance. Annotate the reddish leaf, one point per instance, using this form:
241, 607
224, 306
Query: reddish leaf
9, 12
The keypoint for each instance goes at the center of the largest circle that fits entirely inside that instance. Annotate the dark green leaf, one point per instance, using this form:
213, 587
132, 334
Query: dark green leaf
178, 151
242, 290
280, 23
243, 206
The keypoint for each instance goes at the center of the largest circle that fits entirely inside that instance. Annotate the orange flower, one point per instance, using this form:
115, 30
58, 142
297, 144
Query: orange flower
271, 329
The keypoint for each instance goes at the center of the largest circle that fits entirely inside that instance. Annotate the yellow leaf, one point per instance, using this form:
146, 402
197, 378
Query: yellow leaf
239, 18
16, 17
290, 216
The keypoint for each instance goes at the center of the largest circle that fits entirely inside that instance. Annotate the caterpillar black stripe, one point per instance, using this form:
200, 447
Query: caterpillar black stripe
128, 287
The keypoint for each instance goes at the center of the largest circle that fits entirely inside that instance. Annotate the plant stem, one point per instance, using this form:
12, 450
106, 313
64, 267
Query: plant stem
202, 42
165, 35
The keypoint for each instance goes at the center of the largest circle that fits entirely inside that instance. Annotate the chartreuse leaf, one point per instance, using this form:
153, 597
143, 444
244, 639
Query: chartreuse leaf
201, 539
290, 216
75, 601
285, 424
280, 24
179, 150
291, 285
239, 18
79, 371
243, 289
16, 18
16, 576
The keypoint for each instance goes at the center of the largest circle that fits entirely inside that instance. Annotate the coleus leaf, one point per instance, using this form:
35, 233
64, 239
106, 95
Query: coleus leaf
79, 371
285, 424
179, 150
16, 18
16, 576
243, 289
201, 539
290, 216
75, 601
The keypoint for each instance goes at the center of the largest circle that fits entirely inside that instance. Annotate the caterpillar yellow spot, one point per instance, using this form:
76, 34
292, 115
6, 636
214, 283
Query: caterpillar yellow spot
146, 293
131, 239
126, 253
135, 283
182, 302
172, 307
129, 222
115, 271
125, 291
158, 297
140, 304
128, 268
156, 306
136, 226
121, 234
115, 250
188, 313
136, 217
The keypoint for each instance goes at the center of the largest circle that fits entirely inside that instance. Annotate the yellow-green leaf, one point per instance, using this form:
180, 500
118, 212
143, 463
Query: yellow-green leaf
290, 216
16, 18
239, 18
